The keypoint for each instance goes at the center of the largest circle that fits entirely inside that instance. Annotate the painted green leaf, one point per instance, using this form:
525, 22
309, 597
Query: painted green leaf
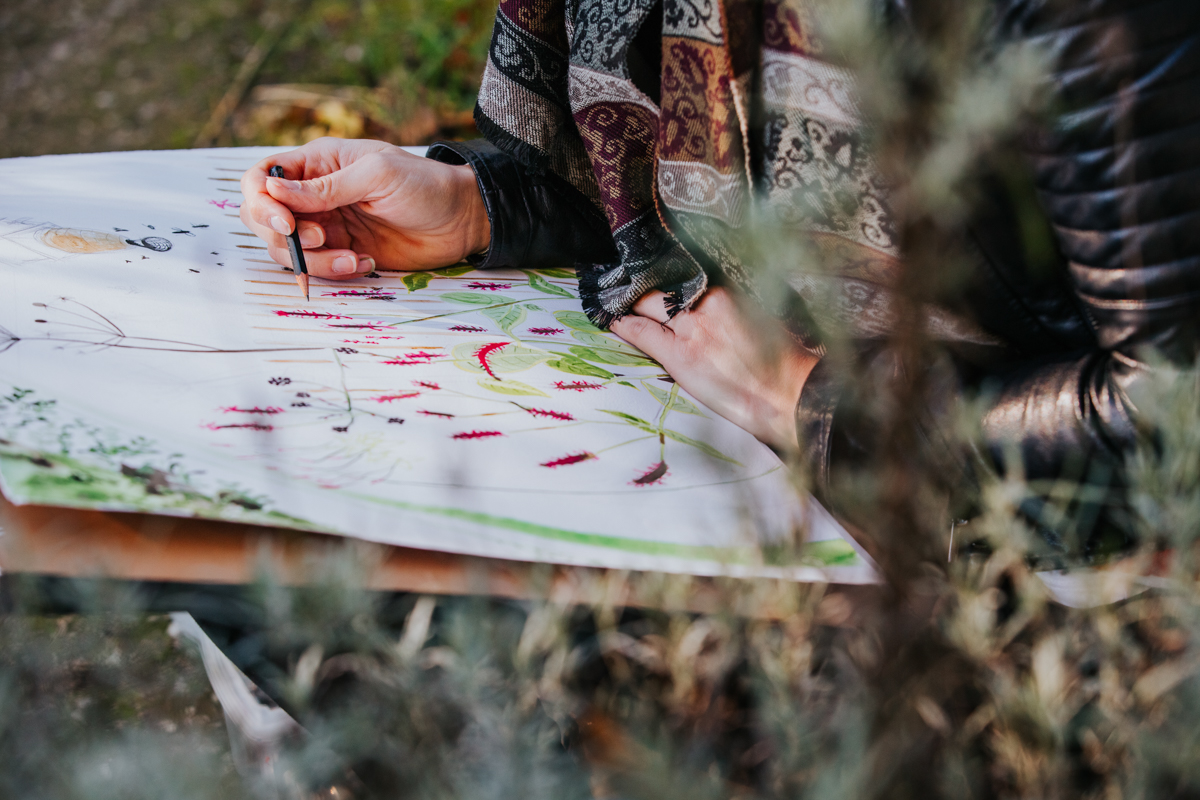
558, 273
605, 342
577, 366
614, 357
510, 358
464, 356
454, 272
661, 396
477, 298
415, 281
511, 387
532, 307
627, 383
825, 553
685, 406
676, 403
830, 553
576, 320
507, 317
636, 422
515, 358
703, 447
543, 285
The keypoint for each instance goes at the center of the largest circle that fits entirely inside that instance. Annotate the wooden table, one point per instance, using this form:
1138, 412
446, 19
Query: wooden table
80, 543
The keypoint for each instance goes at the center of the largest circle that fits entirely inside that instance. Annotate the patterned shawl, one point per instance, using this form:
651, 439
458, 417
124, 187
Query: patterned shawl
745, 102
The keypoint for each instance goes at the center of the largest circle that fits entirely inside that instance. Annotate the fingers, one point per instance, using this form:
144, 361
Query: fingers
312, 236
645, 334
317, 158
260, 212
652, 305
646, 328
339, 264
354, 183
334, 265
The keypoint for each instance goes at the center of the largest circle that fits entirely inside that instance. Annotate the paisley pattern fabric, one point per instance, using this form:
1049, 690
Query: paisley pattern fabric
747, 113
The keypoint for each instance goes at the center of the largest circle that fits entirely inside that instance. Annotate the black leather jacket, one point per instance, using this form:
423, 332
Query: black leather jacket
1117, 178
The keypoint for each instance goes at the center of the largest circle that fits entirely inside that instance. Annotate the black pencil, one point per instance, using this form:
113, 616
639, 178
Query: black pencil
293, 240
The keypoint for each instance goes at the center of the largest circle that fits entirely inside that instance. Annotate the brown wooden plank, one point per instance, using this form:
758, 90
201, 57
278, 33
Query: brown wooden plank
143, 547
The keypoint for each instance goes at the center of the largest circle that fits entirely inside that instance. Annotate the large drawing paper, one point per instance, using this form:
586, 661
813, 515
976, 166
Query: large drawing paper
152, 358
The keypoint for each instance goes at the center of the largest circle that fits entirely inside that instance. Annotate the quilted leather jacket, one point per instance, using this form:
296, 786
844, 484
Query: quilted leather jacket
1115, 180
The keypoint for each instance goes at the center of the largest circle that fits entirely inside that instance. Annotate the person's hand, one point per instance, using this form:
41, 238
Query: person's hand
743, 366
362, 204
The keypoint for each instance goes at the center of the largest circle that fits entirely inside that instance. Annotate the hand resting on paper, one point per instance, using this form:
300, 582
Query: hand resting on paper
743, 366
363, 204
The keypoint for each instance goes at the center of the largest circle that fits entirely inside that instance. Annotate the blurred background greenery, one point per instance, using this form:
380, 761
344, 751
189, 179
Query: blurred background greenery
97, 75
957, 680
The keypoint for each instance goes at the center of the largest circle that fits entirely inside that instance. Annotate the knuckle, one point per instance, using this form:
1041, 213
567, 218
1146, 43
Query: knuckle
386, 159
322, 187
391, 157
378, 163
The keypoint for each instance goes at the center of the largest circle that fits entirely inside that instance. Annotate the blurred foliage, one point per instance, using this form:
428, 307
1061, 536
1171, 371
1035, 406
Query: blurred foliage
107, 705
292, 114
436, 47
403, 71
95, 75
956, 679
999, 693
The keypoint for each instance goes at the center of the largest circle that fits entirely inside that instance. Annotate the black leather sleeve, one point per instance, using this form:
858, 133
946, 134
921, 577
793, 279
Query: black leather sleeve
537, 220
1118, 175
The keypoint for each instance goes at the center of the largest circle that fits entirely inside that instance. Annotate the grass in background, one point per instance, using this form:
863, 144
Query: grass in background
107, 705
97, 75
957, 680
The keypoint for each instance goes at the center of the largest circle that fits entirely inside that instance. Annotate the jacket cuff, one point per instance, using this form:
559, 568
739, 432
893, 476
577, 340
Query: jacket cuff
814, 423
538, 221
486, 161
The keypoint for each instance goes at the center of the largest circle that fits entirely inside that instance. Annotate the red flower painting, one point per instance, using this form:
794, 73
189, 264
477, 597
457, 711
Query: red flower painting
542, 412
476, 435
565, 461
577, 386
651, 477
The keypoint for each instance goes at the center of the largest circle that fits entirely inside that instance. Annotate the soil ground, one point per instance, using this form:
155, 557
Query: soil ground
97, 75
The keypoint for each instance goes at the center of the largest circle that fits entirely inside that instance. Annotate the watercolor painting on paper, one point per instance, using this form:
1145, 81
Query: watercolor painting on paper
152, 358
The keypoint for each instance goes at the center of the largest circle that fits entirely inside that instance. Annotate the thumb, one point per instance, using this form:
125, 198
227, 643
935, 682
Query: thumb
351, 184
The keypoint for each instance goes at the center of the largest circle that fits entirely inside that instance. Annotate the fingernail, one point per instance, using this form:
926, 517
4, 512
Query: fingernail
278, 224
342, 265
366, 264
286, 184
310, 237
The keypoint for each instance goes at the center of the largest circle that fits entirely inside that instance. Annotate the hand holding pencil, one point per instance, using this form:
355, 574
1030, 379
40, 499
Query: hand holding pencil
351, 206
295, 249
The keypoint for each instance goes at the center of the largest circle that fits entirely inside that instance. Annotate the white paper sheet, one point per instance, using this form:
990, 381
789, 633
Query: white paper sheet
152, 358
